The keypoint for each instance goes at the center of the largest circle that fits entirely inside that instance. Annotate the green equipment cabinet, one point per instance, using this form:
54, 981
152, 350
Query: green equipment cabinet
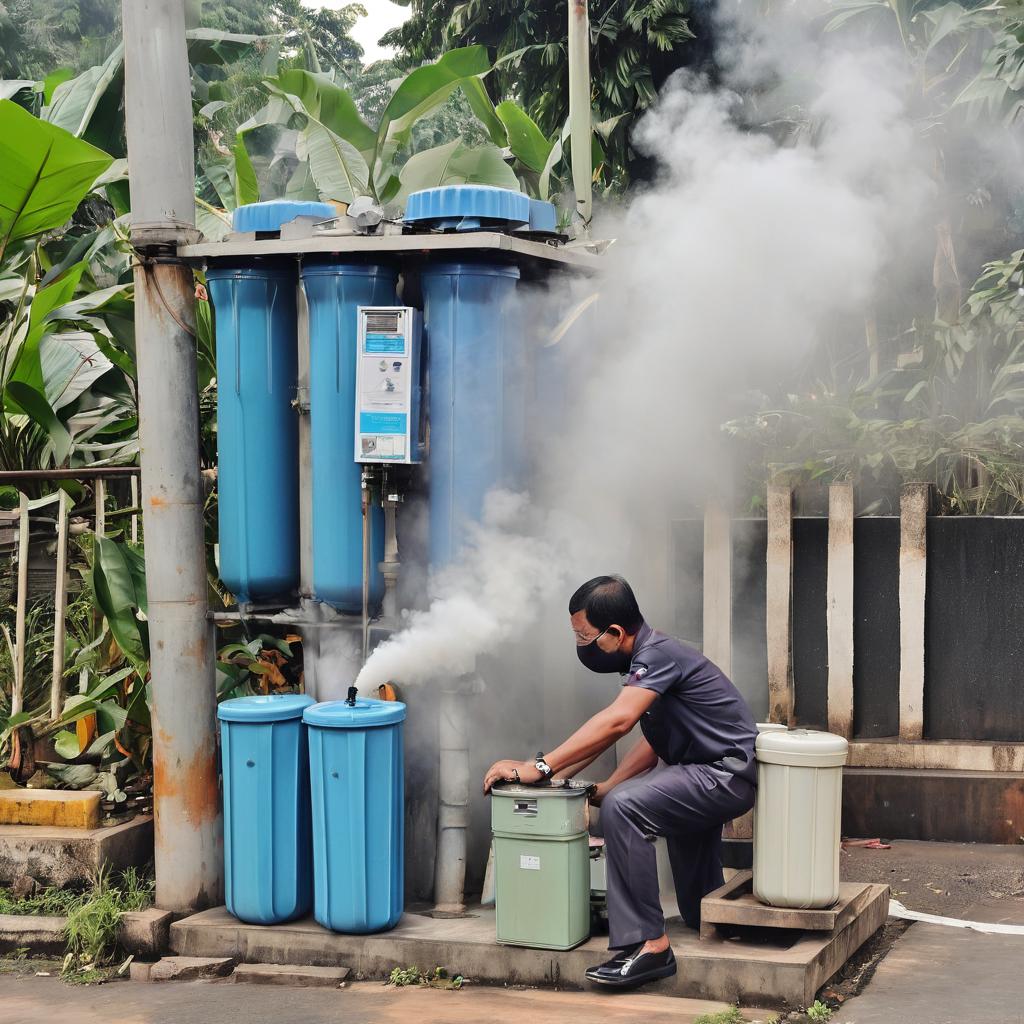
541, 864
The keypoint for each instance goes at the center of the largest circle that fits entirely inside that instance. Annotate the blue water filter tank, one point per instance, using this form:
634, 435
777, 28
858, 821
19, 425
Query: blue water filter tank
268, 854
476, 354
358, 799
334, 292
257, 428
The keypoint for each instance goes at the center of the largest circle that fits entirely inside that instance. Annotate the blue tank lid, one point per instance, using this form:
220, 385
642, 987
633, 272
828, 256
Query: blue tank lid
467, 207
366, 712
269, 216
274, 707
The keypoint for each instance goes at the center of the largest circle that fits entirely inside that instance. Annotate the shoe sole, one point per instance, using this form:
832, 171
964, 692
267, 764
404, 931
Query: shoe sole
656, 975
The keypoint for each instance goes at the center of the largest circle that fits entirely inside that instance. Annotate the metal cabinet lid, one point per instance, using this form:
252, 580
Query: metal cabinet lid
275, 707
364, 714
271, 215
560, 787
805, 748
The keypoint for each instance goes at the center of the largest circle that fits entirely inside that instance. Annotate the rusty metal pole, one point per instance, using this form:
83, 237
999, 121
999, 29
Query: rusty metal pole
158, 121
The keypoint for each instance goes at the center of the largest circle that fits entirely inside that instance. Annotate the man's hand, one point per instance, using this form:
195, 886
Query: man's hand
600, 792
511, 771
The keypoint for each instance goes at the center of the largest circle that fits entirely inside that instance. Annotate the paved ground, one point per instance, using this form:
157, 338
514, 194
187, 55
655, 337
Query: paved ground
935, 974
31, 1000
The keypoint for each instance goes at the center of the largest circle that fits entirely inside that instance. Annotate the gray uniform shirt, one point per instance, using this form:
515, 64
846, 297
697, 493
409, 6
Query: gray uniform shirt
700, 717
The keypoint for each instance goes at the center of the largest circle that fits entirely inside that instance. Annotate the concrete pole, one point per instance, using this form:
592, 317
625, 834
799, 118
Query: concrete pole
839, 609
579, 108
158, 121
913, 573
779, 603
717, 632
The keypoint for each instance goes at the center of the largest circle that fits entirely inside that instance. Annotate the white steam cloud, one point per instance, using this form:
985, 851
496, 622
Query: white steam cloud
740, 257
511, 564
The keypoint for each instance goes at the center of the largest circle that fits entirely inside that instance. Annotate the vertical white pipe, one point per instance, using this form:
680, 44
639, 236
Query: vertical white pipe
60, 600
453, 801
18, 693
135, 515
99, 491
717, 631
188, 852
579, 108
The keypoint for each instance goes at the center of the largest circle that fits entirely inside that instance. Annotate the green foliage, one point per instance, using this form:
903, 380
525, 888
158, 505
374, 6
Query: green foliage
819, 1012
437, 978
49, 902
635, 46
91, 930
730, 1016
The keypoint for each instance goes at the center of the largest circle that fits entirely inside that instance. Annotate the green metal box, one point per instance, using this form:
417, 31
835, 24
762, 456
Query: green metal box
541, 865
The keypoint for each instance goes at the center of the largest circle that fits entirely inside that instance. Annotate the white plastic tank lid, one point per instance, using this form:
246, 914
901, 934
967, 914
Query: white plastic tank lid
771, 727
804, 748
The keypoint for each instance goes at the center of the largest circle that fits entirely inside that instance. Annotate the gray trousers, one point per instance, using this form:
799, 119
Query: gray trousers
687, 805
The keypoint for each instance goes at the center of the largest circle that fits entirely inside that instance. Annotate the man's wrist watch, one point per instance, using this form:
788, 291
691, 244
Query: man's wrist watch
542, 766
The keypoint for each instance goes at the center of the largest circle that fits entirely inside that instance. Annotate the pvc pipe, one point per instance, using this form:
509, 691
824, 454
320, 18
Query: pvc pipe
188, 853
453, 802
579, 108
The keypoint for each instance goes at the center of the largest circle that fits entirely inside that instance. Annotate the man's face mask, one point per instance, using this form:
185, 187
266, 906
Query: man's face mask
592, 657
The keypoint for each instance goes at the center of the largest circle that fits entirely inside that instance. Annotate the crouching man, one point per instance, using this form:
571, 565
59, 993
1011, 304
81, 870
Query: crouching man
692, 771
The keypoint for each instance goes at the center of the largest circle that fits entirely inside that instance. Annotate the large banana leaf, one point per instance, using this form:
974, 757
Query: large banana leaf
47, 172
330, 104
456, 164
525, 139
119, 583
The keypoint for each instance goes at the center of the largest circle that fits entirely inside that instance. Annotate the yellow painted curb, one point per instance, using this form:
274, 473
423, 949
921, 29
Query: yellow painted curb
59, 808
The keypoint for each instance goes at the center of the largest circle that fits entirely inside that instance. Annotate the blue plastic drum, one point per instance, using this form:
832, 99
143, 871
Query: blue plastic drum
356, 776
268, 863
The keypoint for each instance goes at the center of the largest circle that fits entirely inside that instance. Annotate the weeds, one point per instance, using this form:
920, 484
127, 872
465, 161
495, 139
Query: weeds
46, 903
91, 931
730, 1016
438, 978
818, 1011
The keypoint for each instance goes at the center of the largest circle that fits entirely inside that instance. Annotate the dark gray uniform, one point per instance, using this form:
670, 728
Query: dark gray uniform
703, 733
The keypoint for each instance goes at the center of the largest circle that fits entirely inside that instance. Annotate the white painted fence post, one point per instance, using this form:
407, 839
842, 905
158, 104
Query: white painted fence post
839, 609
778, 610
718, 585
60, 600
913, 566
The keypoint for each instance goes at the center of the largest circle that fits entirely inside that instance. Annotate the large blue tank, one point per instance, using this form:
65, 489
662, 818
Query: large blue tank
358, 791
268, 856
257, 429
476, 354
334, 292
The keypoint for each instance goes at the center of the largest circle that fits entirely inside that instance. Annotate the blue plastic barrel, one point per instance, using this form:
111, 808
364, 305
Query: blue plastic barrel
476, 368
268, 861
257, 429
334, 292
356, 777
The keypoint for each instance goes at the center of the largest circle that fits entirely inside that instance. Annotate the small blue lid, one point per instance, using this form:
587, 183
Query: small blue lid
542, 216
275, 707
337, 714
269, 216
452, 203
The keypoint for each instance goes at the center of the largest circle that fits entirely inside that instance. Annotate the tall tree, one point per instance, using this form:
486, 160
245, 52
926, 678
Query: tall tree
635, 46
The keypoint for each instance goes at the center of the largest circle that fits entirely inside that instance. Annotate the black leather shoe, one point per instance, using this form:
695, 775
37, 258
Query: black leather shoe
631, 968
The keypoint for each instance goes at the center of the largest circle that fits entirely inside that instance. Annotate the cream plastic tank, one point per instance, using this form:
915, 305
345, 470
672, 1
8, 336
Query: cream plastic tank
797, 817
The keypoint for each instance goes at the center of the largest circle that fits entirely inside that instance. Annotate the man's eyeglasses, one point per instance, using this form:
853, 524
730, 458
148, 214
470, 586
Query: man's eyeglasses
587, 641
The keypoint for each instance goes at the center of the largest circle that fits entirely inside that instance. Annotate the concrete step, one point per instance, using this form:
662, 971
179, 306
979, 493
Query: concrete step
752, 973
40, 935
290, 975
191, 968
56, 808
934, 805
59, 856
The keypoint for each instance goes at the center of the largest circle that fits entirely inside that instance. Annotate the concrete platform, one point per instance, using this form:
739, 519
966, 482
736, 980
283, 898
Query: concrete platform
59, 856
775, 969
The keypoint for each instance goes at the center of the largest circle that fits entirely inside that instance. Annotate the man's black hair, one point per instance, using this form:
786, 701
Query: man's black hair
607, 600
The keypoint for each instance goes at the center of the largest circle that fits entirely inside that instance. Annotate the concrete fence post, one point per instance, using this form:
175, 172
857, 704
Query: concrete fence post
913, 566
778, 610
717, 615
839, 609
